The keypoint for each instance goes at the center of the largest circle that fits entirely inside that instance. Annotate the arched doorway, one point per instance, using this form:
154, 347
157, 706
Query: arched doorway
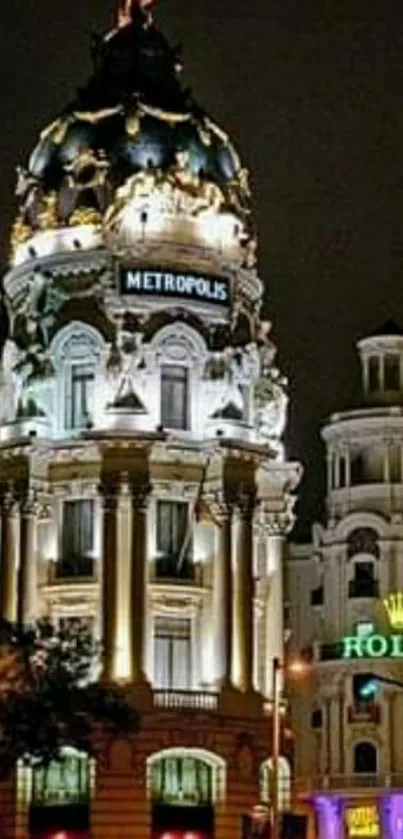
365, 758
184, 786
60, 796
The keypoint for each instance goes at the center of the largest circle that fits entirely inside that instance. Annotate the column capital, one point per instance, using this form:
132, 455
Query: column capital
9, 500
246, 502
108, 489
140, 492
278, 524
222, 503
29, 501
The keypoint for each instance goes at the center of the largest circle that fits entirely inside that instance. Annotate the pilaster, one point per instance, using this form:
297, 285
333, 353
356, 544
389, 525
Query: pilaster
140, 492
109, 495
28, 567
9, 554
246, 506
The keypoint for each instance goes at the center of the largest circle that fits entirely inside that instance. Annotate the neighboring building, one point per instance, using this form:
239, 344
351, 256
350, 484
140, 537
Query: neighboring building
345, 595
144, 486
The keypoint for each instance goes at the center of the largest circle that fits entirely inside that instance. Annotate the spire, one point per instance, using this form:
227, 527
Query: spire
125, 9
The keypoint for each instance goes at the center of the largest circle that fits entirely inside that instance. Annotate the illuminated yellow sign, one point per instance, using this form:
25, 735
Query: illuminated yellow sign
394, 609
363, 822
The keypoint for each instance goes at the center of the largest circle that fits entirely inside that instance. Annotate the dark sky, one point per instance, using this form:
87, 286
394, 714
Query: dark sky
312, 93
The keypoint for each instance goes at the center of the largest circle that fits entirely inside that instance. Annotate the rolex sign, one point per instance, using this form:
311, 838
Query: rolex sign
183, 285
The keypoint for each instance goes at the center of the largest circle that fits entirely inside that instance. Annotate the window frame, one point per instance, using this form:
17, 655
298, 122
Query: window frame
182, 376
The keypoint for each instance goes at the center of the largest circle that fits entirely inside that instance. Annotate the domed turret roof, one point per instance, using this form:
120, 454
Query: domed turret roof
133, 115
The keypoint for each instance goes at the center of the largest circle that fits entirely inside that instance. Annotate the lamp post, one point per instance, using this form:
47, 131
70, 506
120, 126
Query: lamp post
275, 746
296, 667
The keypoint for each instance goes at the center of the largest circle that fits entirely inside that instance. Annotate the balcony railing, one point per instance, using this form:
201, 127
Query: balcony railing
364, 712
348, 782
72, 568
57, 797
199, 700
363, 588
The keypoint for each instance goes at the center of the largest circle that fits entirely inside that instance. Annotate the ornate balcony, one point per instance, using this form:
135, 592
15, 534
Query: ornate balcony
196, 699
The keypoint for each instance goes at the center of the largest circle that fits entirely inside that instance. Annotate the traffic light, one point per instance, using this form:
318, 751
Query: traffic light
369, 688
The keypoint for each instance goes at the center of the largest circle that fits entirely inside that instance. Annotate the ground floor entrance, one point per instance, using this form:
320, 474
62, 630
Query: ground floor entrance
182, 822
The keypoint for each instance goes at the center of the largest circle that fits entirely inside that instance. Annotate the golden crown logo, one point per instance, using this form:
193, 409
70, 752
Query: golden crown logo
394, 608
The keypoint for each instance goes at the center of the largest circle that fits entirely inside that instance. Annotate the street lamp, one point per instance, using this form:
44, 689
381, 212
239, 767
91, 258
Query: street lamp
298, 668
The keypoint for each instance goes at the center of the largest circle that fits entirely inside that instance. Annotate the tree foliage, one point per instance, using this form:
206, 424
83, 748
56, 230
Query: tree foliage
49, 696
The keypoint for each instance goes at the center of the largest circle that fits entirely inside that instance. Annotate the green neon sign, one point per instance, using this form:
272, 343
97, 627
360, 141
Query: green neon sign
372, 646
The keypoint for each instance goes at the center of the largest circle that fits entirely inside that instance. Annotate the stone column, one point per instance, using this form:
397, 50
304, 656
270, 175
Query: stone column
244, 601
223, 596
123, 571
139, 567
28, 570
328, 737
342, 727
109, 493
329, 471
348, 467
8, 554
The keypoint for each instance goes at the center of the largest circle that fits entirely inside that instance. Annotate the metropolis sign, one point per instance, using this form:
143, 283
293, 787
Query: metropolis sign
186, 285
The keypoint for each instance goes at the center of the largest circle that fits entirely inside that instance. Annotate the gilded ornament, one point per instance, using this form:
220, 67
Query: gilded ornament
98, 116
56, 131
204, 135
20, 233
166, 116
85, 216
48, 215
132, 125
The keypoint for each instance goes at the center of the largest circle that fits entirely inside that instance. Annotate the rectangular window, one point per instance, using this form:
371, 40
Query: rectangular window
79, 395
172, 653
364, 583
173, 530
392, 372
77, 543
373, 374
174, 396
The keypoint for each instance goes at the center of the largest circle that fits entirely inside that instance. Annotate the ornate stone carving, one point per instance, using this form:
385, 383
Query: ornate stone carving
246, 502
140, 493
108, 489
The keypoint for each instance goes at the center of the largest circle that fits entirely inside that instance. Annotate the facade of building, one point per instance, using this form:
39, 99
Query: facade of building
346, 608
144, 485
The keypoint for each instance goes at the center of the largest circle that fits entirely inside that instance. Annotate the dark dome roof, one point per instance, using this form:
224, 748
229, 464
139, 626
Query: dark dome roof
133, 114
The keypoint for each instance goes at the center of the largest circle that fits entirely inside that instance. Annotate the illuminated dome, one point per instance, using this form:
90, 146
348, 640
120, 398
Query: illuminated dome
133, 129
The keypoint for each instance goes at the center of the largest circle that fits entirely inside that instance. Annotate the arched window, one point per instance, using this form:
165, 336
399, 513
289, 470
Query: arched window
365, 759
64, 781
185, 777
179, 352
76, 352
283, 780
363, 540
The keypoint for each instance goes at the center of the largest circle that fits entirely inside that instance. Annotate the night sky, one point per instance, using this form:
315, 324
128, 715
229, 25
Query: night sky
311, 91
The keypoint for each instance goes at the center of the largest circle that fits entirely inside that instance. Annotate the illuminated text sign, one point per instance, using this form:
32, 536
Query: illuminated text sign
363, 822
372, 646
173, 284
